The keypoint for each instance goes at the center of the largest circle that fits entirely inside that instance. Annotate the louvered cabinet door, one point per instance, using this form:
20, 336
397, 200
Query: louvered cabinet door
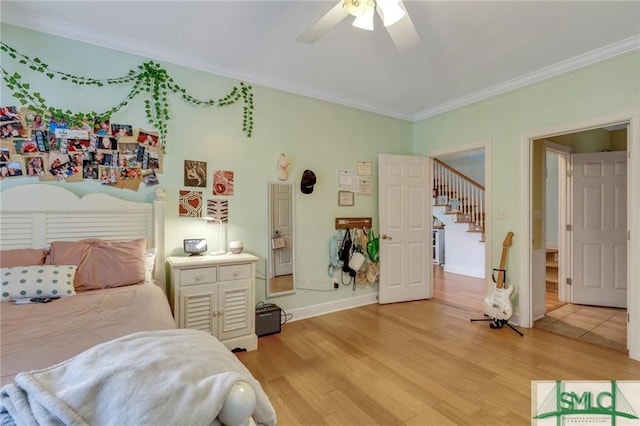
236, 317
198, 308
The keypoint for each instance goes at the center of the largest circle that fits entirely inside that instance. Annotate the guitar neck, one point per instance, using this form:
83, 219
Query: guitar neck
503, 260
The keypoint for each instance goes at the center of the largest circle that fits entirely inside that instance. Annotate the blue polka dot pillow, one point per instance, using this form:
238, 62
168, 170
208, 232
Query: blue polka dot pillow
37, 281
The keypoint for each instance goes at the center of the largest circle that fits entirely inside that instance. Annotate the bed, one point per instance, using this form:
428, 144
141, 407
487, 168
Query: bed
109, 327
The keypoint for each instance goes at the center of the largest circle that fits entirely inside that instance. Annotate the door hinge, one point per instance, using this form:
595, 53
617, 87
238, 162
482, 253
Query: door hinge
569, 173
628, 317
629, 155
628, 235
569, 227
569, 281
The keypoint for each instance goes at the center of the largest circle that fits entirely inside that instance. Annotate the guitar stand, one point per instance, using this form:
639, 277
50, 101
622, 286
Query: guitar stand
497, 323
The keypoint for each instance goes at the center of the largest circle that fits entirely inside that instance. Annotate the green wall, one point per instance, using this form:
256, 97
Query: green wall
602, 89
319, 136
315, 135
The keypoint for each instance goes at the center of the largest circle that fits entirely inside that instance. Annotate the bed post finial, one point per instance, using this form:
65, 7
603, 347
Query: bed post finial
161, 194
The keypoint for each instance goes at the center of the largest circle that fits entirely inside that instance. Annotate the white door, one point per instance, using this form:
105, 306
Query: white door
281, 203
599, 248
405, 228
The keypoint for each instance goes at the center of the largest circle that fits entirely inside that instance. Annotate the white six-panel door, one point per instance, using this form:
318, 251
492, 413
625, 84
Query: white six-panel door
599, 248
405, 228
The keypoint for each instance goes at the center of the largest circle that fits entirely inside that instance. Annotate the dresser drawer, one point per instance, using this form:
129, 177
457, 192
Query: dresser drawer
235, 272
197, 276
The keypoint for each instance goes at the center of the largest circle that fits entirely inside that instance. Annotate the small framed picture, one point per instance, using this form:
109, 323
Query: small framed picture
345, 198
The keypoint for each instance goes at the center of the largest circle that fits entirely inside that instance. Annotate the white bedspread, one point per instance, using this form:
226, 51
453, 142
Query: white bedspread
166, 377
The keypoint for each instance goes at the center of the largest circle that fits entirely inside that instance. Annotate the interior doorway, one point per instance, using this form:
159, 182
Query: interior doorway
459, 282
557, 229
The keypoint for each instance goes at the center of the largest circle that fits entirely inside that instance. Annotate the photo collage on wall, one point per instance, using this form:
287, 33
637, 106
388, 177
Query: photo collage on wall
33, 145
190, 202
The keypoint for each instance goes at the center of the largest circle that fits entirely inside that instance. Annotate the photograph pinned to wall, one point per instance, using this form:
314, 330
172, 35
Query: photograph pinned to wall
77, 159
90, 170
121, 130
25, 146
129, 178
218, 209
62, 169
148, 138
102, 127
35, 121
190, 203
195, 173
13, 168
78, 145
5, 154
127, 147
56, 123
223, 182
9, 113
35, 166
107, 142
108, 175
111, 158
13, 129
99, 158
149, 177
42, 140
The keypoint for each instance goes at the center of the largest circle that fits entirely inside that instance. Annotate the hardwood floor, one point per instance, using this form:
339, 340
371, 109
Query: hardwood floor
417, 363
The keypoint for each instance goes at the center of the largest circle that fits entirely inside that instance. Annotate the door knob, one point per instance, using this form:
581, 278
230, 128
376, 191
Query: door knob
386, 237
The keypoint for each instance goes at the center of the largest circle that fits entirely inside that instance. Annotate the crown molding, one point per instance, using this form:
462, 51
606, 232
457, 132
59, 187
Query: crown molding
613, 50
150, 51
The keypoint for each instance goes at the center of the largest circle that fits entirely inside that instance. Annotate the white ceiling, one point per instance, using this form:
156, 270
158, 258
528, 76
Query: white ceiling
470, 49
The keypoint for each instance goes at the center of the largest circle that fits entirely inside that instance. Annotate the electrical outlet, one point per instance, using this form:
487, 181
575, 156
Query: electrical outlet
501, 214
307, 285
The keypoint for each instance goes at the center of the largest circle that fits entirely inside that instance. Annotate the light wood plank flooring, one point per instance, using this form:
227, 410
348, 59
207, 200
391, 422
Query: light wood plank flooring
417, 363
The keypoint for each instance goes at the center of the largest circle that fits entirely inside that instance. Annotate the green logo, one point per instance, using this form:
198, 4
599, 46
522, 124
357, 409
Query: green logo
584, 402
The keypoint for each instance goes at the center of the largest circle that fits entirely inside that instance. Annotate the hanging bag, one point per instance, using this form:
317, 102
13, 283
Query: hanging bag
373, 246
357, 258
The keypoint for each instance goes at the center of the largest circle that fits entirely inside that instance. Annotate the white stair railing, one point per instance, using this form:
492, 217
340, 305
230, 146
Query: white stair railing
462, 194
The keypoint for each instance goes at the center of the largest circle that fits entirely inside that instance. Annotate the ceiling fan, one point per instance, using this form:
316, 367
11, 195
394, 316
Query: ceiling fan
392, 13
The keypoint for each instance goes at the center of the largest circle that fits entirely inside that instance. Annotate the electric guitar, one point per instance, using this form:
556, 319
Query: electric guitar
497, 304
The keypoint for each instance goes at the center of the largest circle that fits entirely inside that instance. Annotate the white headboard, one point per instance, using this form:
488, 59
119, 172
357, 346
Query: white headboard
36, 214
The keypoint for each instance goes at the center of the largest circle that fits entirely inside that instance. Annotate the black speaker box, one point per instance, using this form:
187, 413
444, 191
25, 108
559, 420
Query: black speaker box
268, 320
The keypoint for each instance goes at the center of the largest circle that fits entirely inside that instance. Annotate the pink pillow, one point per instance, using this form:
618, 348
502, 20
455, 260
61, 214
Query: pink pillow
22, 257
72, 253
102, 264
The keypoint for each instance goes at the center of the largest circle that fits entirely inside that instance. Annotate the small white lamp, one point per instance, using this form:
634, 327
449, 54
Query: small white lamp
221, 236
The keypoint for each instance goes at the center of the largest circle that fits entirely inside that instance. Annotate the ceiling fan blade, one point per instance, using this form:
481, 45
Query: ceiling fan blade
404, 34
324, 24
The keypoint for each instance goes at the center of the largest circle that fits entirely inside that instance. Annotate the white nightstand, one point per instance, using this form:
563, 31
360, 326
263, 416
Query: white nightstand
216, 294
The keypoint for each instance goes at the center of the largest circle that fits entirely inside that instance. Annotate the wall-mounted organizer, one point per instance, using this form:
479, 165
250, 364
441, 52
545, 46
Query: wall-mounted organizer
353, 222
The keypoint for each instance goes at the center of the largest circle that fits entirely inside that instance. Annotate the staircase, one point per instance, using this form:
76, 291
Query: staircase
552, 270
458, 202
460, 196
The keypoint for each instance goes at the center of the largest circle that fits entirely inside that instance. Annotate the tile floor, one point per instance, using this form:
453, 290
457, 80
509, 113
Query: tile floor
602, 326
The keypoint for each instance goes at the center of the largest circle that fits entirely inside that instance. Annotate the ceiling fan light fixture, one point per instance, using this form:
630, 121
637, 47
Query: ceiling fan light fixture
392, 11
365, 21
356, 7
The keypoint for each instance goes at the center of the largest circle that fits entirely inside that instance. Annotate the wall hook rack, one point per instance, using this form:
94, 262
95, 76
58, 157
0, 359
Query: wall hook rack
353, 222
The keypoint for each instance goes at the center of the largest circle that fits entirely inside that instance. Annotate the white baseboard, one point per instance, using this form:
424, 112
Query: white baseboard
464, 271
328, 307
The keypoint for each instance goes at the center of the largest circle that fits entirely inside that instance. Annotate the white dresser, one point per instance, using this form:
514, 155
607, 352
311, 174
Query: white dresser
216, 294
